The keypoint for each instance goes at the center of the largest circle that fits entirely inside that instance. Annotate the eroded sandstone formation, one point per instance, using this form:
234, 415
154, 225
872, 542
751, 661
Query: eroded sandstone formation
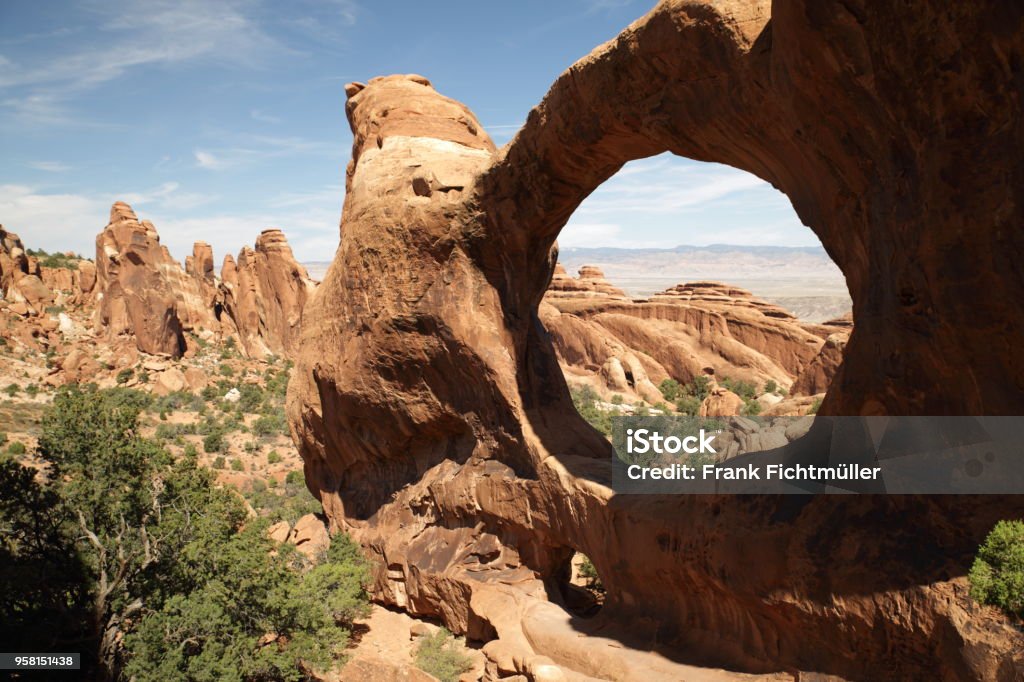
142, 290
435, 424
264, 294
143, 293
682, 333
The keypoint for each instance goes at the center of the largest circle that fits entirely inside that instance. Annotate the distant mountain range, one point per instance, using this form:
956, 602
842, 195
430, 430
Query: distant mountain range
802, 279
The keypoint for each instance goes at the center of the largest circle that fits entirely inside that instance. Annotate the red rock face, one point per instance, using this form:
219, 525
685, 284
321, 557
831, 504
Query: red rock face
434, 421
14, 261
682, 331
264, 295
144, 293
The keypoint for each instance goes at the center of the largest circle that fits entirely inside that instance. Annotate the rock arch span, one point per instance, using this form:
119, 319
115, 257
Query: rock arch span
433, 418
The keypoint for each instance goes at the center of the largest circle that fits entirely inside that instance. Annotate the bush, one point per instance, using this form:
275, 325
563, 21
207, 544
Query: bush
743, 389
3, 438
584, 398
236, 465
670, 389
32, 390
294, 478
688, 405
227, 371
751, 408
437, 654
214, 441
270, 425
12, 390
16, 448
699, 387
770, 386
251, 447
997, 576
273, 457
815, 406
218, 462
589, 573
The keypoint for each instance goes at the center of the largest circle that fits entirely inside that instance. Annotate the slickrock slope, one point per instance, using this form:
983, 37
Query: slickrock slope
434, 422
264, 294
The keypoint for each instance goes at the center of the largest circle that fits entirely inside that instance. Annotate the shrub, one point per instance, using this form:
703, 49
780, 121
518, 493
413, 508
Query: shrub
12, 390
214, 441
617, 399
699, 387
589, 573
32, 390
3, 438
218, 462
751, 408
16, 448
670, 389
437, 654
584, 398
770, 386
227, 371
814, 406
688, 405
273, 457
997, 576
293, 478
236, 465
251, 446
743, 389
270, 425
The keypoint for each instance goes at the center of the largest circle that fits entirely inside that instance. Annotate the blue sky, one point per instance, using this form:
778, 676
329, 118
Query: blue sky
216, 120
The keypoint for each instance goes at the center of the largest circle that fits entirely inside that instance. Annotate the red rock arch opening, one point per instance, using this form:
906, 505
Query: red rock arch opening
436, 425
665, 328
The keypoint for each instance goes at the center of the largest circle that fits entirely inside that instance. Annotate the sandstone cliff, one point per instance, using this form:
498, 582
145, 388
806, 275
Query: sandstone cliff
142, 290
264, 294
435, 423
143, 293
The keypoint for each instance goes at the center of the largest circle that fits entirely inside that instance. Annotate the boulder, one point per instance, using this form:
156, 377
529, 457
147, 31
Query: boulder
279, 532
721, 402
169, 381
310, 536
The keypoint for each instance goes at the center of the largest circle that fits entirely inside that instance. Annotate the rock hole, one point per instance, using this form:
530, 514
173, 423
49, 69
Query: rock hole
581, 588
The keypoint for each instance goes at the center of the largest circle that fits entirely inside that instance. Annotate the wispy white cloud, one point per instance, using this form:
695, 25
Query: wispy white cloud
251, 149
207, 160
150, 32
665, 201
50, 166
130, 35
263, 117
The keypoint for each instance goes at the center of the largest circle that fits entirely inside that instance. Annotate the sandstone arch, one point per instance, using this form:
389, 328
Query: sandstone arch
434, 421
